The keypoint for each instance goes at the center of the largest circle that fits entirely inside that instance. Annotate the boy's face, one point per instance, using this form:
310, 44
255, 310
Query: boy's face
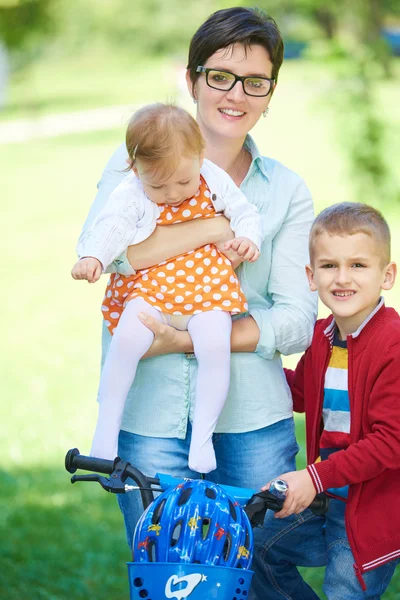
182, 184
348, 273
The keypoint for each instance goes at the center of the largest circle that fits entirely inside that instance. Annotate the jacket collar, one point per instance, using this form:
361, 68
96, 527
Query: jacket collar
329, 332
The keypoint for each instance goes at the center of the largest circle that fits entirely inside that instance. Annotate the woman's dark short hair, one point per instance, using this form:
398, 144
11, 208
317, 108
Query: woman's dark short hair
230, 26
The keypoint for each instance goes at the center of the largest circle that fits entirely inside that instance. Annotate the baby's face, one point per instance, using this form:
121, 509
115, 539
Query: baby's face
182, 184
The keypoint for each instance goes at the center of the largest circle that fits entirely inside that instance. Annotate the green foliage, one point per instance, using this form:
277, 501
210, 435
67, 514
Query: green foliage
358, 60
142, 28
23, 23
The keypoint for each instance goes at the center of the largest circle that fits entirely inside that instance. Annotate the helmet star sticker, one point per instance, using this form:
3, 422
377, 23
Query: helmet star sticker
156, 528
193, 523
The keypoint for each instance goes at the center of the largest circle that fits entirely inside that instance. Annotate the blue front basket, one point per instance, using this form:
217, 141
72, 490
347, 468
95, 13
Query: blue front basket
178, 581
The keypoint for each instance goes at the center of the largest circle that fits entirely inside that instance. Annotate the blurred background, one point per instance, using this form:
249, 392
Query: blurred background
71, 73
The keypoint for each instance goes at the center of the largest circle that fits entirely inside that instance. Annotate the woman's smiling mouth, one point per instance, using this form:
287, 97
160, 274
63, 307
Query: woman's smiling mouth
231, 113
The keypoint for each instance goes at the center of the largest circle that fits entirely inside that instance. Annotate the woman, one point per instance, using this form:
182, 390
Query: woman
233, 57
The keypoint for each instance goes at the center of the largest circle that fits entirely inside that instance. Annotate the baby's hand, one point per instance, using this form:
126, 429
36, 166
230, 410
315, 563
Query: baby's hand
300, 494
245, 248
88, 268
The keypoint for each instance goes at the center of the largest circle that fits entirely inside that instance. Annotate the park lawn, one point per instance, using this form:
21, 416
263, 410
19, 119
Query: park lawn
61, 541
97, 78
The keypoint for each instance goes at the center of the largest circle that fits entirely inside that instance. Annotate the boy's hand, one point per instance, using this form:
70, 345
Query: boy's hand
300, 494
245, 248
88, 268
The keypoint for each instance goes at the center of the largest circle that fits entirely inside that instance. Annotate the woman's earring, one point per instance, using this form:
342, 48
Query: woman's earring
265, 112
194, 101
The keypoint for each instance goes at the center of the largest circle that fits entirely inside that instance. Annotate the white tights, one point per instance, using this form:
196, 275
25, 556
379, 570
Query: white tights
210, 332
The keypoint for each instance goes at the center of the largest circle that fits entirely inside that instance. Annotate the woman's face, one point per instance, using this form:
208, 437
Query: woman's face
231, 114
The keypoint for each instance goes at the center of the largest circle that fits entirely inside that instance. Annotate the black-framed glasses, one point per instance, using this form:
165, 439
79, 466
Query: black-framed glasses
225, 81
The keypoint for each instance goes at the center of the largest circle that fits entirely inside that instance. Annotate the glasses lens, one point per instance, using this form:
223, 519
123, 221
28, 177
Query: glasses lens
256, 86
220, 80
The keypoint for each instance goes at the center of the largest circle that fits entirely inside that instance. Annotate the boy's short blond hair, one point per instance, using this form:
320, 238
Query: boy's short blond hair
159, 135
348, 218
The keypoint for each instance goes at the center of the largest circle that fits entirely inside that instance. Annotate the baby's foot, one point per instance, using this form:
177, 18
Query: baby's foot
202, 458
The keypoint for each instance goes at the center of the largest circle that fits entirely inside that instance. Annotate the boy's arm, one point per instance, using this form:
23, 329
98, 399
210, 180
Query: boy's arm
380, 448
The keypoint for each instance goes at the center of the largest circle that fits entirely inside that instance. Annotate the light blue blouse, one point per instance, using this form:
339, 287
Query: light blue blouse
162, 396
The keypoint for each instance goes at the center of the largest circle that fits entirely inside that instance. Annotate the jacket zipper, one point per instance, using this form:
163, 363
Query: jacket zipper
359, 576
317, 423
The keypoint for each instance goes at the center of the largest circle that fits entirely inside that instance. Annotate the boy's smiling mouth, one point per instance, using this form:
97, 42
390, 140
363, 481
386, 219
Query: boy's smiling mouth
343, 293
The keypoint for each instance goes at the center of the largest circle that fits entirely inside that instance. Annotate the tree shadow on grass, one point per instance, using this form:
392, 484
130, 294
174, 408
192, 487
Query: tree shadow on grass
60, 541
64, 542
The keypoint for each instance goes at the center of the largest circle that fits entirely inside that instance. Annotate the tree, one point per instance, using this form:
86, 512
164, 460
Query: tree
23, 21
358, 58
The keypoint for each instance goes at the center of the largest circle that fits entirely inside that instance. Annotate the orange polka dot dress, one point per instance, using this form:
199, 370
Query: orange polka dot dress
198, 281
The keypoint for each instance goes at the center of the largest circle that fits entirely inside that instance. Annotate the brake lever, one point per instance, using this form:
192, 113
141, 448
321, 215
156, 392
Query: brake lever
115, 486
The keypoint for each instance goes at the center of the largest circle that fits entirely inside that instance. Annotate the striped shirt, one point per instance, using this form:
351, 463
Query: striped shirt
336, 408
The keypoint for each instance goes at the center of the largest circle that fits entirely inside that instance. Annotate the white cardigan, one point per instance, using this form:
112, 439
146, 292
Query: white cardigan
129, 216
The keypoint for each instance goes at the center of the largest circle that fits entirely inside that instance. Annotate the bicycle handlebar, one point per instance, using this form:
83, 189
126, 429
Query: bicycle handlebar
255, 503
75, 461
118, 469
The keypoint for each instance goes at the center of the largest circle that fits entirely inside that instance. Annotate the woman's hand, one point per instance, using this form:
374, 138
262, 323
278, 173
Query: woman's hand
167, 340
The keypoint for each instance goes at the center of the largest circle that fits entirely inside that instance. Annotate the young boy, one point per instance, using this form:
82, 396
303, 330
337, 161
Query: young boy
348, 385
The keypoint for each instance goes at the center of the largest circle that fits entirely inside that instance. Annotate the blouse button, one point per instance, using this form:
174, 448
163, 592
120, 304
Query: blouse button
214, 197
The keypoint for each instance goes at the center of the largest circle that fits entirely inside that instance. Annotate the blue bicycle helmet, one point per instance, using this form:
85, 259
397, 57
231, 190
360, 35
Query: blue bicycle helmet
195, 522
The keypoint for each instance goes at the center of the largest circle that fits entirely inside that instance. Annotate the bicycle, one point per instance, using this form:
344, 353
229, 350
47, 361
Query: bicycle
242, 509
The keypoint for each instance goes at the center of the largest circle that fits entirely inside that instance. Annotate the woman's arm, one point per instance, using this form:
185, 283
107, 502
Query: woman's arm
287, 326
165, 242
172, 240
167, 340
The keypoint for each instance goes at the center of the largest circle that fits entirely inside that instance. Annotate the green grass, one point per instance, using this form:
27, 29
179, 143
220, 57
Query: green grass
59, 541
98, 78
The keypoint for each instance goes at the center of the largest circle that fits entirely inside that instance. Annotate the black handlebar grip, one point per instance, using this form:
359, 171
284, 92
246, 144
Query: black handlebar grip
74, 461
319, 505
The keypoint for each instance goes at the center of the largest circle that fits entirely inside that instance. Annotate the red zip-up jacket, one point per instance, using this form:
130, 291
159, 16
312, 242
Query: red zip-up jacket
371, 463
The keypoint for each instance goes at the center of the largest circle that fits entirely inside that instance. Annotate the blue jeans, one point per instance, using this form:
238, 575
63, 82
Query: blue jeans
310, 541
248, 459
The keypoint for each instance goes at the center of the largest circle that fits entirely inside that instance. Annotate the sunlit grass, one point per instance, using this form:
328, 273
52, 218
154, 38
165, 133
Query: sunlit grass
98, 78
